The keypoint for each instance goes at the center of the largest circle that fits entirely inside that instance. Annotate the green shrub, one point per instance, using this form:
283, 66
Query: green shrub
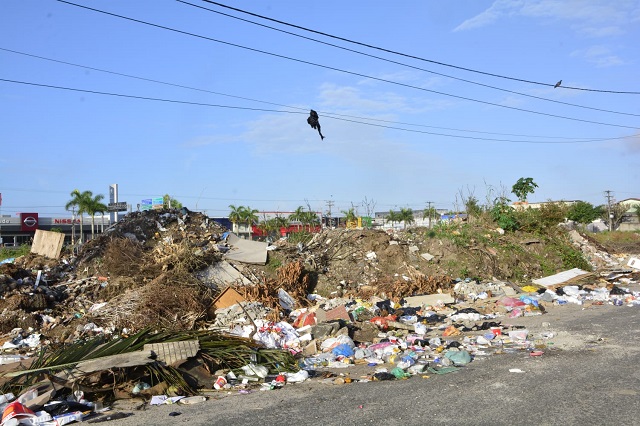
300, 237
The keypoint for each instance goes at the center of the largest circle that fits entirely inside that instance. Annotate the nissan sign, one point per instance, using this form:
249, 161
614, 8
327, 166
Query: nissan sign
28, 222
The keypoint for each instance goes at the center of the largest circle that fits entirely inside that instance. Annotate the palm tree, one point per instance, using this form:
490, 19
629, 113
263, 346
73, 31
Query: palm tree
235, 216
298, 215
393, 217
349, 215
280, 222
249, 216
78, 204
406, 216
311, 219
93, 206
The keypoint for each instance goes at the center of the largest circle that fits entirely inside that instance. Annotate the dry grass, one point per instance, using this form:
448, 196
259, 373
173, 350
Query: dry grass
171, 301
618, 241
291, 277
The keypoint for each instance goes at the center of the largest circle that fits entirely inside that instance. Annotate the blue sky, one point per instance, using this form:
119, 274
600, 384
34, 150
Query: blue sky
400, 131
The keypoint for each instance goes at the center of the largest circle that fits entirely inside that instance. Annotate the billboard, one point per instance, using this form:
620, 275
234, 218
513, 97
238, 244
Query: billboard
156, 203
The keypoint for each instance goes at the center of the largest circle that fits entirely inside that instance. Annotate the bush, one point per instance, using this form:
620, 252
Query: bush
504, 215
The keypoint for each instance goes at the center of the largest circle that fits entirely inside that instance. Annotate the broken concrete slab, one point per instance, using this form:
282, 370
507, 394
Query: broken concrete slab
246, 251
426, 256
129, 359
325, 329
365, 332
561, 277
634, 262
222, 274
428, 300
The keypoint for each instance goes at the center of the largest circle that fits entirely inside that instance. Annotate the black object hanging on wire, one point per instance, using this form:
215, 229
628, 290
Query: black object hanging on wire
314, 123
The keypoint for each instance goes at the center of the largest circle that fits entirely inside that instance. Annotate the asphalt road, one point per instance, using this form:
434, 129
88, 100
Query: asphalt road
589, 375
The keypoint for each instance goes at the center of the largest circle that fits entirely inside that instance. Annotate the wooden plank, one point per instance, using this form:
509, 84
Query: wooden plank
47, 243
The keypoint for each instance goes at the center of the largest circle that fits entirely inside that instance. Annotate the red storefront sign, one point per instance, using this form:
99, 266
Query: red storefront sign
28, 222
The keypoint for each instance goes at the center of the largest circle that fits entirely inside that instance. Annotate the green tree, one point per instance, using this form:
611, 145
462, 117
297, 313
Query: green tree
406, 216
473, 207
311, 219
393, 217
78, 204
249, 216
583, 212
523, 187
94, 205
171, 203
349, 215
280, 222
504, 215
267, 226
298, 216
617, 213
235, 215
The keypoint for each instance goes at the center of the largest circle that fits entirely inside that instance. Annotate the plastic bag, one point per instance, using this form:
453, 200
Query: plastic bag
255, 370
286, 301
458, 357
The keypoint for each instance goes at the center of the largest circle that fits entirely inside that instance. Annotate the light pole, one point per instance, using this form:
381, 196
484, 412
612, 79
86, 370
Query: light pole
73, 226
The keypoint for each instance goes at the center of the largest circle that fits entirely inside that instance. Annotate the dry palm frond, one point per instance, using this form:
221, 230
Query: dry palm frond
217, 349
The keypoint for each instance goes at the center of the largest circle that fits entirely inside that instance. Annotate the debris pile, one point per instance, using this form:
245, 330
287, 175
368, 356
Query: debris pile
169, 306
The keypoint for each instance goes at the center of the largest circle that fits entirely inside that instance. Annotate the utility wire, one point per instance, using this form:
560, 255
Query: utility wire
412, 56
335, 115
407, 65
147, 98
345, 71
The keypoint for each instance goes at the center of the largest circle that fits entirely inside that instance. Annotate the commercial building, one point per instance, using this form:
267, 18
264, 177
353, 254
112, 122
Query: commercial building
15, 231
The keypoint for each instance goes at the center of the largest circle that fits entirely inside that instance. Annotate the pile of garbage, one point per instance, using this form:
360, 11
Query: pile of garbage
169, 307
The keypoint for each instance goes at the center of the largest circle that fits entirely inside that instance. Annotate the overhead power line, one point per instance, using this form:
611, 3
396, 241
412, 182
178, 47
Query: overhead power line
335, 115
413, 56
147, 98
346, 71
411, 66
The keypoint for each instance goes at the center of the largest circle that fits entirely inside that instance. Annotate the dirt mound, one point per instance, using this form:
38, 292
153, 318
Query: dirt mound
146, 271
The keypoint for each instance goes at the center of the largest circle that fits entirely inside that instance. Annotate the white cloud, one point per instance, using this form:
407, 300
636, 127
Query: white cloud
595, 18
600, 55
351, 99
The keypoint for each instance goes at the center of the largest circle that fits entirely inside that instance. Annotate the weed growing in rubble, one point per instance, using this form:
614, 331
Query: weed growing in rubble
504, 215
300, 237
273, 263
571, 257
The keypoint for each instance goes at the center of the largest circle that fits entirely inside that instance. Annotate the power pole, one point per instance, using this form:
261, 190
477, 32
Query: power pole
429, 210
609, 198
329, 205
